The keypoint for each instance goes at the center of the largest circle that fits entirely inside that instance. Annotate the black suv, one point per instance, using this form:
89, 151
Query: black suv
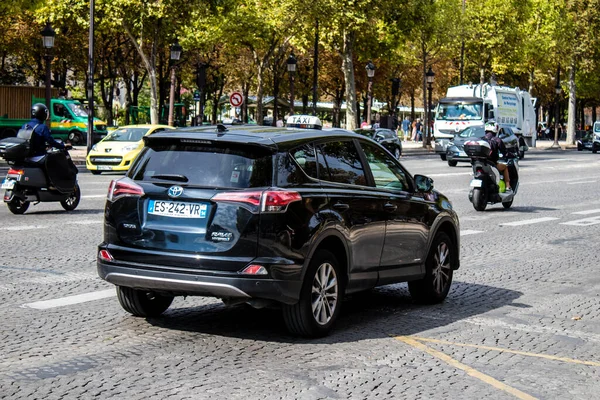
292, 217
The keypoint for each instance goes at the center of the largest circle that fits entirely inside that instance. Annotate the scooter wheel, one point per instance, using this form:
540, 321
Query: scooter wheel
17, 206
507, 204
71, 202
479, 199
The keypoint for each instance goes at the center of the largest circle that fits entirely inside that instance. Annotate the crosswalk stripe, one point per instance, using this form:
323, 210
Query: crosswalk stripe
584, 222
580, 182
528, 221
469, 232
70, 300
586, 212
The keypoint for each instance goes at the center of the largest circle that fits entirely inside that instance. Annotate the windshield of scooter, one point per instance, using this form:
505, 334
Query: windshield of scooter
459, 111
472, 131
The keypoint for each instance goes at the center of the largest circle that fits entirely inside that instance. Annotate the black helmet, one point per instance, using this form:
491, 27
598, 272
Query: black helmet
40, 111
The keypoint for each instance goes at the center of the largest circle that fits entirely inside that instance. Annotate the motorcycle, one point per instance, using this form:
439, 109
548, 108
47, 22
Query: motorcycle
487, 183
51, 178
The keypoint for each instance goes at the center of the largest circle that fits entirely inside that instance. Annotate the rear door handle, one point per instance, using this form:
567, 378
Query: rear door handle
341, 206
390, 207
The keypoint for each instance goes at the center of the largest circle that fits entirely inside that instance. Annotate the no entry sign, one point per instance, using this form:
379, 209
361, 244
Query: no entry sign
236, 99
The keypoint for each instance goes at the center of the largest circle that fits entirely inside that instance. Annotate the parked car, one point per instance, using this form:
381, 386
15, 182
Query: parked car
385, 137
589, 141
119, 148
455, 151
296, 218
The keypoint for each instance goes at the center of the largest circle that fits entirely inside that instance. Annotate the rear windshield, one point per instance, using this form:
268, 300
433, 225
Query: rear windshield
211, 167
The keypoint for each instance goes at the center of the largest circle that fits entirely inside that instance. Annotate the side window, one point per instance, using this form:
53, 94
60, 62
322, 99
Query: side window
306, 159
386, 173
342, 163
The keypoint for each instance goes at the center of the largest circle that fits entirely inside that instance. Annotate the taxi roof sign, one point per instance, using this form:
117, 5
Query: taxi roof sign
304, 122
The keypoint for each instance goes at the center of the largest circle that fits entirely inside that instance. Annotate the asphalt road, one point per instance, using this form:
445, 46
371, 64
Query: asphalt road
521, 321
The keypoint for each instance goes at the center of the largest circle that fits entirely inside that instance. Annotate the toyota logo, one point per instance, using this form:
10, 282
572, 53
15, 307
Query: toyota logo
175, 191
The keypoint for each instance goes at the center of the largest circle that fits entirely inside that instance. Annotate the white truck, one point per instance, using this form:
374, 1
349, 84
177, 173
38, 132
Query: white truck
474, 105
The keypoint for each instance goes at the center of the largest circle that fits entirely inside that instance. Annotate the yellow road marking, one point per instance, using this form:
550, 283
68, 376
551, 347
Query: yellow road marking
471, 371
501, 350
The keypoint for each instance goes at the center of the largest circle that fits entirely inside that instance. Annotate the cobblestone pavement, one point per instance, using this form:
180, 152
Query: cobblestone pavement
522, 319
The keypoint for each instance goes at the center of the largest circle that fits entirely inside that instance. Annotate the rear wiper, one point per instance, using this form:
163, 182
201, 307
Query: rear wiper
171, 177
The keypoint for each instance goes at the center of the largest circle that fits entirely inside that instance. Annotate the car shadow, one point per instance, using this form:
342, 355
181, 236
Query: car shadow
381, 312
94, 211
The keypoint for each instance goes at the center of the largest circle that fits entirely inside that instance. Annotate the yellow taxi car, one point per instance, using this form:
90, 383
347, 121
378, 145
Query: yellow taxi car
119, 148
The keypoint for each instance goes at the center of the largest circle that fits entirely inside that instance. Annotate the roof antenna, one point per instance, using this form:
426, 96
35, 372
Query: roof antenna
221, 128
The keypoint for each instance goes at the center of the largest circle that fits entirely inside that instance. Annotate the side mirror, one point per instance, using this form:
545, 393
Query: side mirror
424, 183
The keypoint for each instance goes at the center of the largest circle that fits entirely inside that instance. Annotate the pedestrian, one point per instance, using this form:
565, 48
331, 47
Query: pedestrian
414, 131
419, 128
406, 125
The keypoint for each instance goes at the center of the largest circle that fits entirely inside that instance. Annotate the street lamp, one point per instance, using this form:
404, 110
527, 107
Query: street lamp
558, 90
175, 56
48, 41
370, 67
291, 67
430, 77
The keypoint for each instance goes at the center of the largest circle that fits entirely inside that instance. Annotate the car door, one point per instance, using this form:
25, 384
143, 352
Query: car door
405, 213
353, 207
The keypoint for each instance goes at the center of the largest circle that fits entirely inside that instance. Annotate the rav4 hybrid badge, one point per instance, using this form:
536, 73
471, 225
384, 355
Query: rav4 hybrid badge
175, 191
221, 236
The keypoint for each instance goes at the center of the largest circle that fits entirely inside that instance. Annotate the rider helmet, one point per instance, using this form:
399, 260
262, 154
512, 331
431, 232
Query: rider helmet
40, 111
491, 126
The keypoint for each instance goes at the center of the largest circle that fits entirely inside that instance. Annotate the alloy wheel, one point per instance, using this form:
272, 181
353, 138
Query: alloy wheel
324, 294
441, 268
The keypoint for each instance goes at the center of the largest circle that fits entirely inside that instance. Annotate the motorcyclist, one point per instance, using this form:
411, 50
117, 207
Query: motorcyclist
497, 147
41, 136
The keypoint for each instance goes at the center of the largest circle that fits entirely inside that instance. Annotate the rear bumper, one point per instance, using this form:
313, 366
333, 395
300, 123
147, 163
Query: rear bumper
198, 283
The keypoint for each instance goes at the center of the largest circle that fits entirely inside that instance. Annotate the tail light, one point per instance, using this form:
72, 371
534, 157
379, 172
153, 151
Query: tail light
123, 187
12, 171
254, 269
270, 201
105, 255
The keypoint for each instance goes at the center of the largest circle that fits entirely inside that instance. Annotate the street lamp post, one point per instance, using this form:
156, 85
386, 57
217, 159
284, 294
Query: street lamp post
291, 67
370, 67
430, 77
175, 55
90, 82
558, 90
48, 41
395, 92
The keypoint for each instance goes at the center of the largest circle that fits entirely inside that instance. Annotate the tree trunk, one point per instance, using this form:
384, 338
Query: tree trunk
348, 71
245, 91
412, 105
259, 94
572, 119
425, 127
531, 76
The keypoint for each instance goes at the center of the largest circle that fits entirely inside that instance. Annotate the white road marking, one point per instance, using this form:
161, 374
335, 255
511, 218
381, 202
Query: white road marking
86, 222
581, 182
528, 221
450, 174
93, 196
586, 212
70, 300
584, 222
469, 232
22, 228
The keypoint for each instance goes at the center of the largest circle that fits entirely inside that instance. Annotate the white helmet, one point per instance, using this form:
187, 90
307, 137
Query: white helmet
491, 126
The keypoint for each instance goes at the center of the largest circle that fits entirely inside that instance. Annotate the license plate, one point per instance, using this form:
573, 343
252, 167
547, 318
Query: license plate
177, 209
8, 184
105, 168
462, 154
476, 183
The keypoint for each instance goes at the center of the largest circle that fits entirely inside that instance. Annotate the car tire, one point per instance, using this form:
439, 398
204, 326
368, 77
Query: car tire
443, 157
479, 199
72, 201
320, 298
75, 137
17, 206
397, 153
507, 204
142, 303
439, 266
452, 163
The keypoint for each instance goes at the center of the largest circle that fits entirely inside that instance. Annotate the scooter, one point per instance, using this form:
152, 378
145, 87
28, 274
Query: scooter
488, 183
27, 181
